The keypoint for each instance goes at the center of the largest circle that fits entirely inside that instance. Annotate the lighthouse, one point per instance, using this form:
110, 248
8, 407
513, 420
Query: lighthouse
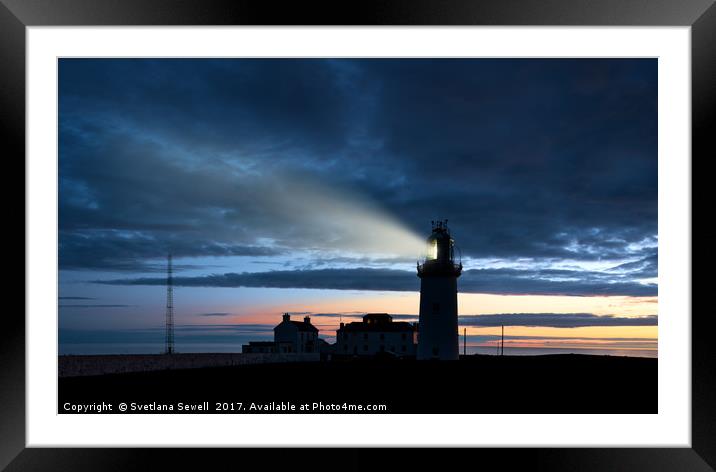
438, 272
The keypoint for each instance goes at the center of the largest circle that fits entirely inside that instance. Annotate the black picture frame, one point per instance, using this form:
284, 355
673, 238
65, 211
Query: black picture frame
16, 15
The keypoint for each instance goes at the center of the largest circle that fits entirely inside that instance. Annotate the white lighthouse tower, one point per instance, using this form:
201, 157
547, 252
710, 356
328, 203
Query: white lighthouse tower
437, 326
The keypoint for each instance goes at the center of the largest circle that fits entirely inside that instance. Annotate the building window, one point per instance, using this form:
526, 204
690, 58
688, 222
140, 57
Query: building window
404, 336
436, 308
365, 335
435, 351
365, 347
382, 336
403, 348
382, 348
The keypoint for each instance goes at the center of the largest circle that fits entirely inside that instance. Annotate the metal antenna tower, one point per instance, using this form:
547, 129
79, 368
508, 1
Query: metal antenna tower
169, 336
464, 341
502, 344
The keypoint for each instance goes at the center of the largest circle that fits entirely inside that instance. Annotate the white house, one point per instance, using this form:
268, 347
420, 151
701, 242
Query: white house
295, 336
377, 333
288, 337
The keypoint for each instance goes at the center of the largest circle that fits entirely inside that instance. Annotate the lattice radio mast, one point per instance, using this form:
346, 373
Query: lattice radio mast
502, 342
169, 336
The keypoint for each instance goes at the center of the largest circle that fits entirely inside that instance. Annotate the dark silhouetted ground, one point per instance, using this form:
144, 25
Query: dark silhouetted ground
475, 384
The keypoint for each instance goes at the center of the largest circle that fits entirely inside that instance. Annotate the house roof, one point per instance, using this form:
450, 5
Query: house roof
301, 325
377, 318
395, 326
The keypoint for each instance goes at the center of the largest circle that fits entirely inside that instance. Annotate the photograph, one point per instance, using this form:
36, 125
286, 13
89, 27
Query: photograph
379, 234
332, 235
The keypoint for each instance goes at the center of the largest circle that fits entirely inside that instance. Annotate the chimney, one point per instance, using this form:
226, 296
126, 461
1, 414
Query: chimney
286, 317
342, 325
307, 320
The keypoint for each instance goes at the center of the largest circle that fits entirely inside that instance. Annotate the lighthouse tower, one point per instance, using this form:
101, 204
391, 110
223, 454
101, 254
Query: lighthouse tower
437, 326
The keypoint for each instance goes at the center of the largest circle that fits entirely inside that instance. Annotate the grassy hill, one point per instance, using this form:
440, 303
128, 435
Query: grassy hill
475, 384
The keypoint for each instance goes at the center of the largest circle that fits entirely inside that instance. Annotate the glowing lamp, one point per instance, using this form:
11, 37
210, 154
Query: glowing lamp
432, 249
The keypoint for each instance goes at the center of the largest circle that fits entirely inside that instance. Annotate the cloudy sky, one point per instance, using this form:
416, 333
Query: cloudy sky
308, 186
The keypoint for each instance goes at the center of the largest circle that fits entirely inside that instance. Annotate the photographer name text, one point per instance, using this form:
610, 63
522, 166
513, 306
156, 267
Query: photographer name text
218, 407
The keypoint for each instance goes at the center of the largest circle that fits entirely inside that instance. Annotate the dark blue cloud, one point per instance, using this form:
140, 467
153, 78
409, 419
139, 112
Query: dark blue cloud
556, 320
549, 320
93, 306
494, 281
542, 159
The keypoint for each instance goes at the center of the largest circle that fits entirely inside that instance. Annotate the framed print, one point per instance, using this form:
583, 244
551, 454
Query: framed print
411, 225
